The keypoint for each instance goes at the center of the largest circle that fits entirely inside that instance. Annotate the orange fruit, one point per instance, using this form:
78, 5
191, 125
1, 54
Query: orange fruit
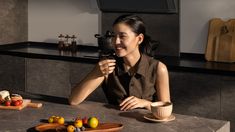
78, 123
70, 128
60, 120
93, 122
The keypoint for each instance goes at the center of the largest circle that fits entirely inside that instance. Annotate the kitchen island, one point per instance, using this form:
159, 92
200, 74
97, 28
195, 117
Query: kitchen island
133, 120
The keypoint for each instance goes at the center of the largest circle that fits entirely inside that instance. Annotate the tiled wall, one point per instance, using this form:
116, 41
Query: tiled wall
13, 21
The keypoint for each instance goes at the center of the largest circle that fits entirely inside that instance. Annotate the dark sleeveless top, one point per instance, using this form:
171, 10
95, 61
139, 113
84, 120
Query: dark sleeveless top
120, 85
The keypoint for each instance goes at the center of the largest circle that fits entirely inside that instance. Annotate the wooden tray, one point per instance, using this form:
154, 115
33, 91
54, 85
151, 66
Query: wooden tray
25, 103
221, 41
102, 127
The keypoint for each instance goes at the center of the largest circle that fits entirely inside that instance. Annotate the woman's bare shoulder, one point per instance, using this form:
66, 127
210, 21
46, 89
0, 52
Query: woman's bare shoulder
161, 68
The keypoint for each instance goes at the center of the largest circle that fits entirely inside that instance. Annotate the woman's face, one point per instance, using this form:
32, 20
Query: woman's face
126, 42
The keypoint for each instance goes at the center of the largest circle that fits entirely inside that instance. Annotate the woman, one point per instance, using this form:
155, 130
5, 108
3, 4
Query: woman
133, 79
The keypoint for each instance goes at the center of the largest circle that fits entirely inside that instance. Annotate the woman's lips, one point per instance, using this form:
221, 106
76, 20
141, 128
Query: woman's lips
119, 47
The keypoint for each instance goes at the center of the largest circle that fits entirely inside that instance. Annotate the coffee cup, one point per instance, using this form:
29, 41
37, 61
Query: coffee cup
161, 110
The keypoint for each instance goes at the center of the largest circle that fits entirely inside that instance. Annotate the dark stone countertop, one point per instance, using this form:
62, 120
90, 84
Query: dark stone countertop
42, 50
133, 121
89, 54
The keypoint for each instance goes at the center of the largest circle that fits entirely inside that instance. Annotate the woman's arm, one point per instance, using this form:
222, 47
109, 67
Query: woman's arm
162, 83
91, 81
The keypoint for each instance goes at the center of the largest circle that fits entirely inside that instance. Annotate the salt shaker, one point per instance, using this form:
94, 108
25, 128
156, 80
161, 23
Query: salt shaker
61, 42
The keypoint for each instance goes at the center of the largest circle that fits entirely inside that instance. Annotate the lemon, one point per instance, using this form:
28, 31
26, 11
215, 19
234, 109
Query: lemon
50, 119
78, 123
93, 122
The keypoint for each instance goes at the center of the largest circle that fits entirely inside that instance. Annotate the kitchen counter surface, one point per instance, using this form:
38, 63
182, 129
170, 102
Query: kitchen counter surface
90, 54
133, 120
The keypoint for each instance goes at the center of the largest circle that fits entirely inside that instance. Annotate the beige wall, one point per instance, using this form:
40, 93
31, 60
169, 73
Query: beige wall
48, 18
195, 15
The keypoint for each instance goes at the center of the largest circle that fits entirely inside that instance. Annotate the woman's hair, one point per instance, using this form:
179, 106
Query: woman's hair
137, 26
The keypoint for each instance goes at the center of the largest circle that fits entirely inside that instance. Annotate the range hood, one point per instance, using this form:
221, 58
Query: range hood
139, 6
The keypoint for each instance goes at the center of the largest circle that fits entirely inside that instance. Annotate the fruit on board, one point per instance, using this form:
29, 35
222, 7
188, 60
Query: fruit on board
7, 103
51, 119
70, 128
85, 121
93, 122
17, 102
15, 97
21, 101
10, 99
56, 119
78, 123
60, 120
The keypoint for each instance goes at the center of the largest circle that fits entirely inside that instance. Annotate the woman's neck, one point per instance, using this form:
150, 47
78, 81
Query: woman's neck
131, 60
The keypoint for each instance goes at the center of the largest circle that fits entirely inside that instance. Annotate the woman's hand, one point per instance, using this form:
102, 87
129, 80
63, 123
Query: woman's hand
106, 66
133, 102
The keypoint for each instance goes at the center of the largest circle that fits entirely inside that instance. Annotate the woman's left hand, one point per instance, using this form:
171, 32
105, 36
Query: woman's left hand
133, 102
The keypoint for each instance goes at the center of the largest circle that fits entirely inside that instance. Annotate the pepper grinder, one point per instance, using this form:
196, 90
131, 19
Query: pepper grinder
74, 44
66, 43
61, 42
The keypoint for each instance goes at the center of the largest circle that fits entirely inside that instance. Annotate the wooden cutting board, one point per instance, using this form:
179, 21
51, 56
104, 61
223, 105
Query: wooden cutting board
102, 127
25, 104
221, 41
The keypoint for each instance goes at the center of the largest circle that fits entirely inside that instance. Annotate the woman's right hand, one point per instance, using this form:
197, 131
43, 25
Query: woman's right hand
106, 66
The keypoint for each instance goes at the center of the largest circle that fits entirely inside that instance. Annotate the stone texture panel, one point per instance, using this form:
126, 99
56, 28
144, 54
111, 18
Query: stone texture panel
48, 77
13, 21
57, 78
12, 72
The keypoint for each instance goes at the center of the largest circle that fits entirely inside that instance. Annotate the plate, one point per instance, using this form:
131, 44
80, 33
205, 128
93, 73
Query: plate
48, 127
102, 127
151, 117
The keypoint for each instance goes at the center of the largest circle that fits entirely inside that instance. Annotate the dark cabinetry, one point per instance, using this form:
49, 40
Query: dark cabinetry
12, 72
205, 95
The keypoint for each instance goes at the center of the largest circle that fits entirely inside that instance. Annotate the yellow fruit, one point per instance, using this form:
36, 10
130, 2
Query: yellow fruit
70, 128
93, 122
56, 118
60, 120
50, 119
78, 123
